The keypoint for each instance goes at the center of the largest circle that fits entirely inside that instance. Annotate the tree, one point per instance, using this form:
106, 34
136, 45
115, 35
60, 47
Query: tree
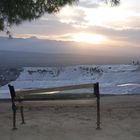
16, 11
113, 2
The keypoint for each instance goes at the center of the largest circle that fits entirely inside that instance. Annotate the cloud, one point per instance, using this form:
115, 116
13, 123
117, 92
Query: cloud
89, 3
44, 27
72, 15
122, 37
114, 17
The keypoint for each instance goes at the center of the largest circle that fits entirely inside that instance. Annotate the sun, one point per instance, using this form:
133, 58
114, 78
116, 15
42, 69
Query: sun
89, 38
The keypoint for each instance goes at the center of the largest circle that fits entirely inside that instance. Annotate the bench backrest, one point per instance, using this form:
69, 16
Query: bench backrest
33, 93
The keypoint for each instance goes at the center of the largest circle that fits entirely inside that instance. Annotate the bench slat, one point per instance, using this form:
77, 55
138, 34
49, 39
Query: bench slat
61, 96
41, 90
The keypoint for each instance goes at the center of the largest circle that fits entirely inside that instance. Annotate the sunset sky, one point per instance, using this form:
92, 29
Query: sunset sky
88, 21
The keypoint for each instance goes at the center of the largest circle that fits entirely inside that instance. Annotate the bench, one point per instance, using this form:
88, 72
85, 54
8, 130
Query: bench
18, 97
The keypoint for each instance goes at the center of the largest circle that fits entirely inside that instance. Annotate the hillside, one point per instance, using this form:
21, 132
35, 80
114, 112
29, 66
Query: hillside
113, 79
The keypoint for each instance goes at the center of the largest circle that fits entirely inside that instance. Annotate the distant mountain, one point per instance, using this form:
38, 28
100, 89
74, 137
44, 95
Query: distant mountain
34, 44
24, 59
38, 52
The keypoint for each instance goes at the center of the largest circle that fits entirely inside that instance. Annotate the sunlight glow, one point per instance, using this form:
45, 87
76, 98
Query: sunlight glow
89, 38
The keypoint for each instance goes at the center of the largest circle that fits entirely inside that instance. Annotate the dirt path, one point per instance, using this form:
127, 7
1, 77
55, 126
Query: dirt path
75, 120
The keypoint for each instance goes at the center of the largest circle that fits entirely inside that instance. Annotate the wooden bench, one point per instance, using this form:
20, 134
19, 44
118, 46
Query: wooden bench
18, 97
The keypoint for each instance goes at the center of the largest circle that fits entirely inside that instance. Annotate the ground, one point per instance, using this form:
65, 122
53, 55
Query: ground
75, 120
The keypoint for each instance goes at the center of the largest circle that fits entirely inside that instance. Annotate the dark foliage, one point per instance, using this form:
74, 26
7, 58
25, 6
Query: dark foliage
113, 2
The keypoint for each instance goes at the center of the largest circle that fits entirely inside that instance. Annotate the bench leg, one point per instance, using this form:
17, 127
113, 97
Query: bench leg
98, 114
97, 94
14, 118
22, 115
